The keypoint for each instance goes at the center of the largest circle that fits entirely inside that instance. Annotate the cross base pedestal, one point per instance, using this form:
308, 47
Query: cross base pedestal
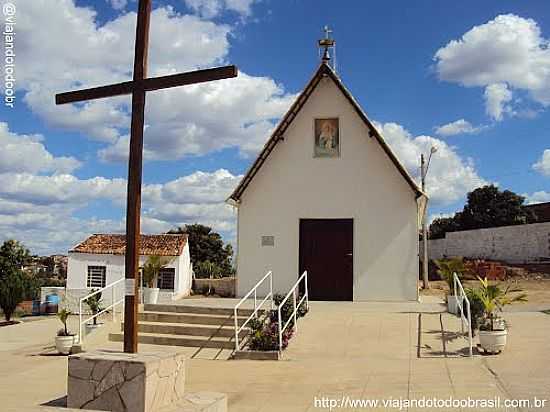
121, 382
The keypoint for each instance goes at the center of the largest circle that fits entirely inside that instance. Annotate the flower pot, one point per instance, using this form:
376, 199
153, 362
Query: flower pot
90, 327
64, 344
493, 341
150, 295
452, 304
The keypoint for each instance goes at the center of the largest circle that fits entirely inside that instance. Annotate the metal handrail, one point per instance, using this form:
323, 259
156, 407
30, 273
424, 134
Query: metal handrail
460, 299
295, 307
81, 322
256, 306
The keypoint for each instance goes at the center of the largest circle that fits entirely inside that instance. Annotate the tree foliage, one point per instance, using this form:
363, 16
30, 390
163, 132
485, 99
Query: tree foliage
207, 245
13, 255
486, 207
12, 291
14, 284
152, 267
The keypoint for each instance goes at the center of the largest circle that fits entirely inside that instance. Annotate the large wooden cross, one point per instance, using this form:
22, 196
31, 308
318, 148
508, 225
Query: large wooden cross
137, 87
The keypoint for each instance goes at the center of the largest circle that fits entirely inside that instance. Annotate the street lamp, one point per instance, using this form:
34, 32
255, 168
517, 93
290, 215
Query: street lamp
424, 166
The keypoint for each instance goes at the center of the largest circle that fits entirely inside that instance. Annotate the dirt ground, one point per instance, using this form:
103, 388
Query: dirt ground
538, 291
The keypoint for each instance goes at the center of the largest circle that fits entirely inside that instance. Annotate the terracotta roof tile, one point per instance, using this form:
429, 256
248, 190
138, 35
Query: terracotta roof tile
161, 245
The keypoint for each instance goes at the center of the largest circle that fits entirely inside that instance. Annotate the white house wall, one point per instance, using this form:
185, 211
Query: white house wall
77, 271
363, 184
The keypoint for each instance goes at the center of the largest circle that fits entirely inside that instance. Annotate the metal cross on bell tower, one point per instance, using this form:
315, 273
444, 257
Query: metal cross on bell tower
324, 45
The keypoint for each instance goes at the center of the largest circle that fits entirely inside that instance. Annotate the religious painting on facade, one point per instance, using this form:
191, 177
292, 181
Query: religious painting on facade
327, 138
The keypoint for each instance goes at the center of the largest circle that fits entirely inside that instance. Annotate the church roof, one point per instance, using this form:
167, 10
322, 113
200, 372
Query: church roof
278, 134
158, 245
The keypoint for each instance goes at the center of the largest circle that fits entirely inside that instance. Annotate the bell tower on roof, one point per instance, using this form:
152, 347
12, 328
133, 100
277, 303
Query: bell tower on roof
326, 46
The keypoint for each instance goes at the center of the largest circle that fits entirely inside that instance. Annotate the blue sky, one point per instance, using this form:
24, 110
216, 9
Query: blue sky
472, 78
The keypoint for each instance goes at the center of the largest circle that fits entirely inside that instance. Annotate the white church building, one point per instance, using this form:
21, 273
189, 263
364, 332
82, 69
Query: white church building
327, 195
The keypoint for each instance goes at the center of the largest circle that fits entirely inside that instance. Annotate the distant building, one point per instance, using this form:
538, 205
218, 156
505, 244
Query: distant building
542, 210
99, 261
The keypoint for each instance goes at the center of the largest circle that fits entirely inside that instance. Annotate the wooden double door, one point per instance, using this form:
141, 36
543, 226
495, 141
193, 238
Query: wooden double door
326, 252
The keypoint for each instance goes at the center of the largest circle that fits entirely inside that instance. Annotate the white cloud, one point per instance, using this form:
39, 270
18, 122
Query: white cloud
460, 126
42, 209
543, 165
505, 54
212, 8
434, 216
118, 4
450, 176
537, 197
185, 121
24, 153
213, 116
497, 96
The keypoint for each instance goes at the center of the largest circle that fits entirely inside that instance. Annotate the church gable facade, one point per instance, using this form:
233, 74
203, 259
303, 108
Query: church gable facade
327, 195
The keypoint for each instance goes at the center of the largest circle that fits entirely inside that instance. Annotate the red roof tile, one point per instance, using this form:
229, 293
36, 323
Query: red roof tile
161, 245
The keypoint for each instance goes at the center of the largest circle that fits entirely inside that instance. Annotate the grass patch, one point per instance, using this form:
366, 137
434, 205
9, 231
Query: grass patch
547, 311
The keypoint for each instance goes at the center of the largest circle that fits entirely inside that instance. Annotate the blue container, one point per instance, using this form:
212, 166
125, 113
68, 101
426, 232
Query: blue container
52, 299
36, 307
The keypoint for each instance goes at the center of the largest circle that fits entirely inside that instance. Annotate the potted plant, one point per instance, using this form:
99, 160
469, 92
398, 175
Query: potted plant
492, 328
94, 303
65, 339
151, 270
446, 268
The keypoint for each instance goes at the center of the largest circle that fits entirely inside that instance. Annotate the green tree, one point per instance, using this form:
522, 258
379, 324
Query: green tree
13, 255
486, 207
12, 291
442, 225
14, 284
207, 245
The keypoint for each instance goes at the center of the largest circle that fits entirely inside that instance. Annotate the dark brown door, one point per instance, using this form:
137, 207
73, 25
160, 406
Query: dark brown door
326, 252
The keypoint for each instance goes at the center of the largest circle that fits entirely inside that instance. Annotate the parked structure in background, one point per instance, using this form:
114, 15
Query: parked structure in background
541, 211
99, 261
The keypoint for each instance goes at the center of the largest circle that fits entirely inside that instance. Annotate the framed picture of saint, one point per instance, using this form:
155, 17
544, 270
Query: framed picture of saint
327, 138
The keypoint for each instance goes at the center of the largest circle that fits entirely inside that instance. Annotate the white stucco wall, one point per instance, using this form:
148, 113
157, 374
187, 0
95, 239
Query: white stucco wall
77, 271
363, 184
513, 244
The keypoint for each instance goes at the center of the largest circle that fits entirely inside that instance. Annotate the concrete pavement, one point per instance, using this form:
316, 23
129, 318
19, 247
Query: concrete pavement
358, 350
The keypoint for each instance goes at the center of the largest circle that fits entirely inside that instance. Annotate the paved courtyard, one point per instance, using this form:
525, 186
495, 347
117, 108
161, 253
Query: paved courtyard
359, 350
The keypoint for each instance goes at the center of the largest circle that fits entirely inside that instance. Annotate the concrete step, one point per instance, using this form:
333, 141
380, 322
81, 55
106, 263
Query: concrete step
200, 310
166, 317
177, 340
185, 329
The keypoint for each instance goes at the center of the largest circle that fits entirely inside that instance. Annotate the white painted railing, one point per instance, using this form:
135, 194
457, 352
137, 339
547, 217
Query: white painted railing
296, 304
462, 301
117, 298
257, 306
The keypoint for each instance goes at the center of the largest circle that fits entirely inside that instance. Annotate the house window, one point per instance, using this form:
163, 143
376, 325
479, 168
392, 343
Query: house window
165, 278
96, 277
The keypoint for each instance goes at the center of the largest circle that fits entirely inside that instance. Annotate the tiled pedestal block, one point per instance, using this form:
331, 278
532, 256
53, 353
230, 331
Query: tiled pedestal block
124, 382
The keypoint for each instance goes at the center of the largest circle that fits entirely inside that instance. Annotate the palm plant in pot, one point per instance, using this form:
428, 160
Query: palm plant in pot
65, 338
151, 270
492, 327
446, 268
95, 305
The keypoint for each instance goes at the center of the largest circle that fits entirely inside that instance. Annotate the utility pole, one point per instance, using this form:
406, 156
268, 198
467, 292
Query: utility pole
423, 172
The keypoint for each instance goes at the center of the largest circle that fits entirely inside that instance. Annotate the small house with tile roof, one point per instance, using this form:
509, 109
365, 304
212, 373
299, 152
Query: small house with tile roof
99, 261
327, 194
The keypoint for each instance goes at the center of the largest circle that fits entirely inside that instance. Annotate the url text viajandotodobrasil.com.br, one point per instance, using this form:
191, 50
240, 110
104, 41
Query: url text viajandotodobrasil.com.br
331, 403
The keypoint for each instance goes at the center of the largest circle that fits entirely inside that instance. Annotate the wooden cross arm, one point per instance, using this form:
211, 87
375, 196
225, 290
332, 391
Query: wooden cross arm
154, 83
